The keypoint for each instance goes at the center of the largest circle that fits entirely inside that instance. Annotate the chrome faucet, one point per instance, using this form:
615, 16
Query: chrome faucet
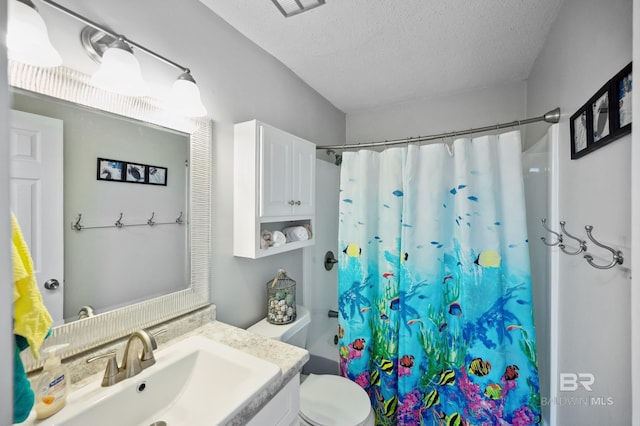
132, 362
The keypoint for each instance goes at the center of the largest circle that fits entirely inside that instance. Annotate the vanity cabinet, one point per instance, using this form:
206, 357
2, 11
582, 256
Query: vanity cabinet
274, 186
283, 408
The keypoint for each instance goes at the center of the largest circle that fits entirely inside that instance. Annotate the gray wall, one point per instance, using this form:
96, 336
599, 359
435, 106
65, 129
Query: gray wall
238, 82
6, 272
478, 108
590, 41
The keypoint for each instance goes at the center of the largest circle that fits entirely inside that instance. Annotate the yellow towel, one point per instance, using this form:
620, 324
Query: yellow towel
31, 319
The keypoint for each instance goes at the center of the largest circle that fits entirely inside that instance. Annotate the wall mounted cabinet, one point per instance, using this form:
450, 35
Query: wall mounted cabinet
274, 186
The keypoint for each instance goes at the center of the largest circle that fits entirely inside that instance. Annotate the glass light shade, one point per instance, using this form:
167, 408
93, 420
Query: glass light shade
120, 72
185, 97
27, 37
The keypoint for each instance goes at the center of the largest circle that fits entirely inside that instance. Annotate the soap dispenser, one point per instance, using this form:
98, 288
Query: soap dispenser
53, 384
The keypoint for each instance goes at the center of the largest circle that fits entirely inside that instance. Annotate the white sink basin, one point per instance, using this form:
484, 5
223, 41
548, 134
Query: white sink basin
194, 382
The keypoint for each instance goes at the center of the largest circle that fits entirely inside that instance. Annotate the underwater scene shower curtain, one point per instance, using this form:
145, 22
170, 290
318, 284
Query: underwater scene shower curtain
434, 293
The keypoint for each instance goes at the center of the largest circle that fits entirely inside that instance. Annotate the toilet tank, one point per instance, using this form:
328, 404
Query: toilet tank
295, 333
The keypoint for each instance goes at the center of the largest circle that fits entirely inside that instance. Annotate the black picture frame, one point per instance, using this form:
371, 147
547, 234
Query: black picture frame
135, 173
157, 175
111, 170
607, 115
579, 126
622, 90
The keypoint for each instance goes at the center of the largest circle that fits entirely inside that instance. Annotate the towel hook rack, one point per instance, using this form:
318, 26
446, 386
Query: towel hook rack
617, 254
544, 225
581, 243
119, 223
77, 225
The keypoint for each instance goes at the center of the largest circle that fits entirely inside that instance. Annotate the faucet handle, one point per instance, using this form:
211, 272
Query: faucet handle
111, 371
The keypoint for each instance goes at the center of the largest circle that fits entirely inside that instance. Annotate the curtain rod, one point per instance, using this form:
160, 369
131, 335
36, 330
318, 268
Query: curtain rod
552, 116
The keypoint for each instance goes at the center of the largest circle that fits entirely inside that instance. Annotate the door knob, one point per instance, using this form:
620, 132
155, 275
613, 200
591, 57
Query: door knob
51, 284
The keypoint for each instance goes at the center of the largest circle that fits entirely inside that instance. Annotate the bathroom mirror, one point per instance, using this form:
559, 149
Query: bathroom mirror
70, 85
91, 151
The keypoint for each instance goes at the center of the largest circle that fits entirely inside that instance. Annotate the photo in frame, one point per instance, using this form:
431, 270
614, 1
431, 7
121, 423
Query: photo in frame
622, 88
601, 125
136, 173
579, 124
110, 169
157, 175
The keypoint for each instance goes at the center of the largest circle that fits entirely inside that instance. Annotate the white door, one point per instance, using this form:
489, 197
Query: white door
37, 200
275, 172
304, 177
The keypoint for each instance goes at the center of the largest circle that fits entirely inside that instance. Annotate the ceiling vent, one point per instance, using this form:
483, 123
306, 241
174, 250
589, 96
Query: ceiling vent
294, 7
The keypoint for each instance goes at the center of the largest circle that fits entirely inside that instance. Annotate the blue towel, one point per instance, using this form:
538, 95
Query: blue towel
23, 397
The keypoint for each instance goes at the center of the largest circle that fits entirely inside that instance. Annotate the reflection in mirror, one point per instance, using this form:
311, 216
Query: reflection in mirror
72, 86
108, 266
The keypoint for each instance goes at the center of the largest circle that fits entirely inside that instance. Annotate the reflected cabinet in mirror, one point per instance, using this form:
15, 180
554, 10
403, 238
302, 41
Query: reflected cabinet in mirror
109, 205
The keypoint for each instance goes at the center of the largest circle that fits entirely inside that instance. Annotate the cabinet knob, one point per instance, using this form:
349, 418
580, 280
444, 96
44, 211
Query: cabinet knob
291, 202
298, 203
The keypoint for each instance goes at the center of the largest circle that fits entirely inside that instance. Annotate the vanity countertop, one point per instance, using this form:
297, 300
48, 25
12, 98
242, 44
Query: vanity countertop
289, 358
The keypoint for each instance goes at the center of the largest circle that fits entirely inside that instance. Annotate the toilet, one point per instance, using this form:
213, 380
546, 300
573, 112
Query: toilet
325, 399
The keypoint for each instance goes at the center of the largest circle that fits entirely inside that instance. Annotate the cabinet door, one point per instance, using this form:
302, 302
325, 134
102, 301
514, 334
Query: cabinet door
304, 182
275, 172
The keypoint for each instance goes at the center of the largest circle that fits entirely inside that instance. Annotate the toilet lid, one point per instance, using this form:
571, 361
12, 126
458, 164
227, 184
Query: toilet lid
327, 400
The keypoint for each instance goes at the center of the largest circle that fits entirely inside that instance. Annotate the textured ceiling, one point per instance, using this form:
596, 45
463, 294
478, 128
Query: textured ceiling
361, 54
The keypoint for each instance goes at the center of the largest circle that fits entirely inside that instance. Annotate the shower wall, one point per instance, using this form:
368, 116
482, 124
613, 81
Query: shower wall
321, 286
540, 183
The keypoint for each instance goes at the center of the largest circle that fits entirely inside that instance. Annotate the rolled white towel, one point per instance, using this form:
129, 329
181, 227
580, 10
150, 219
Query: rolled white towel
278, 239
296, 233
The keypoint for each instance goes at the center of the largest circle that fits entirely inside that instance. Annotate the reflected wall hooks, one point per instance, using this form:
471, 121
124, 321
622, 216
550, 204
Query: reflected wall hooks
77, 226
618, 257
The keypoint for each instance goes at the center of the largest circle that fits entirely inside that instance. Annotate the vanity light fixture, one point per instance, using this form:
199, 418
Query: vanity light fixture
185, 96
119, 70
294, 7
27, 36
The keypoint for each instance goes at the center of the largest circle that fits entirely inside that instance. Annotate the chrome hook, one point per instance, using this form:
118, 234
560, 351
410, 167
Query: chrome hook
544, 225
581, 243
77, 225
179, 220
150, 222
617, 254
119, 223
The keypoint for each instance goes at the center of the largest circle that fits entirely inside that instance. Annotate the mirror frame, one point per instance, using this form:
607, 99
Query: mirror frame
73, 86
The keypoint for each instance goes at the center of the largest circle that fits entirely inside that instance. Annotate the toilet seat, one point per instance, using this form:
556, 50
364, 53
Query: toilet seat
328, 400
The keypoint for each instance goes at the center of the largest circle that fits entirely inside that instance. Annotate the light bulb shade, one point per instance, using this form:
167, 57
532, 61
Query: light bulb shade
185, 97
27, 37
120, 72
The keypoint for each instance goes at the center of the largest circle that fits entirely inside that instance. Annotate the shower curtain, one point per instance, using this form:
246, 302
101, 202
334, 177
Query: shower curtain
434, 292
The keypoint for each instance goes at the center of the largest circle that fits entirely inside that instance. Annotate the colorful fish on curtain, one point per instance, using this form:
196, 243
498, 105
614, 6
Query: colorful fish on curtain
435, 314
